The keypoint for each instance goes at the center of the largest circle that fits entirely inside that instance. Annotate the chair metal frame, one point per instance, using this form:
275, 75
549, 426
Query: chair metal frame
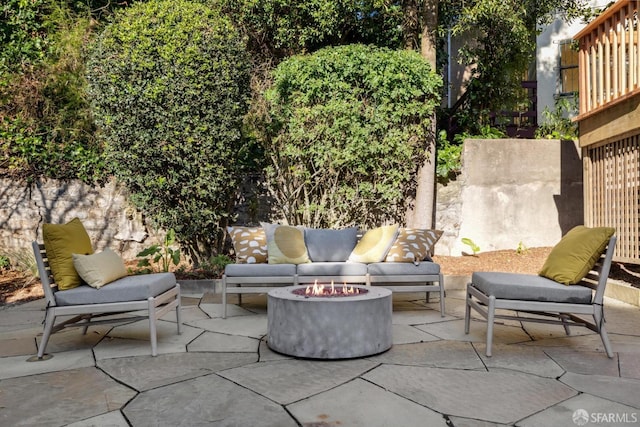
86, 315
559, 313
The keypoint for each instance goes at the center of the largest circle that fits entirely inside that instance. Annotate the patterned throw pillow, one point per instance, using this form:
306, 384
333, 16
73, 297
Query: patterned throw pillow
374, 245
285, 244
249, 243
413, 245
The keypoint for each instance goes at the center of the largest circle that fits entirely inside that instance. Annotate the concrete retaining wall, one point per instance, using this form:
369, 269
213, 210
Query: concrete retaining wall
511, 191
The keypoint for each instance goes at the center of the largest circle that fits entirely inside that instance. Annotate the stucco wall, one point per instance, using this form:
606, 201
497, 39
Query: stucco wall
511, 191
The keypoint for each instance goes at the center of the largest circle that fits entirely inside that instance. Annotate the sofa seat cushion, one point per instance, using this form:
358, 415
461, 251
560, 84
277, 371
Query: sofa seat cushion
130, 288
403, 268
529, 287
260, 270
332, 269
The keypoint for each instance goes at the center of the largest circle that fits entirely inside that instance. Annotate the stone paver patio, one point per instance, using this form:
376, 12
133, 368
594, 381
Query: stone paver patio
221, 372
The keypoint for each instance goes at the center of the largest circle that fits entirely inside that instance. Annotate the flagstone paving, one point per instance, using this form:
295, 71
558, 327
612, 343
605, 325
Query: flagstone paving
222, 372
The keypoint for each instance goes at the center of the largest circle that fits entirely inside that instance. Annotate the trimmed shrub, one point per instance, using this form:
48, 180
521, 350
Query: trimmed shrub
345, 133
169, 84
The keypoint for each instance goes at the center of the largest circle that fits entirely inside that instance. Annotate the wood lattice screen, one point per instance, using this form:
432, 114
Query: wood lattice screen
612, 193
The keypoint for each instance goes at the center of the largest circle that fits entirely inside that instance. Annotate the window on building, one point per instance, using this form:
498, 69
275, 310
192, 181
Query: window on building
568, 68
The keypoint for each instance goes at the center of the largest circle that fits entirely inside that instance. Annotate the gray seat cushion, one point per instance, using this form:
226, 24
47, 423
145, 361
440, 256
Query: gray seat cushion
260, 270
529, 287
130, 288
332, 269
325, 245
403, 268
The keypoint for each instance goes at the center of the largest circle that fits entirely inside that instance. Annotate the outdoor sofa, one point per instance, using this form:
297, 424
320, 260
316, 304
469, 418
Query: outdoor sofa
275, 255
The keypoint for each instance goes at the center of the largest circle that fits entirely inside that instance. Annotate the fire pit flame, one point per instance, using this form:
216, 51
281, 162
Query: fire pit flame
321, 290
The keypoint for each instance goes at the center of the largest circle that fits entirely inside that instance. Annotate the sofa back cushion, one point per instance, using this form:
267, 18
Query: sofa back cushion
325, 245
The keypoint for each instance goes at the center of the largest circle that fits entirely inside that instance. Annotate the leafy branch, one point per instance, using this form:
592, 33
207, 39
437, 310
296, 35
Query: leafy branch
162, 255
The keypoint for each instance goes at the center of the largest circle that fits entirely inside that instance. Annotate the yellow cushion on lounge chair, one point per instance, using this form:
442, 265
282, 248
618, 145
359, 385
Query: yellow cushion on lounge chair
576, 253
60, 242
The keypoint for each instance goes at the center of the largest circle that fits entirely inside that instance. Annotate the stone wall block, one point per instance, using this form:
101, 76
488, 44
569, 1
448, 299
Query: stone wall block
110, 220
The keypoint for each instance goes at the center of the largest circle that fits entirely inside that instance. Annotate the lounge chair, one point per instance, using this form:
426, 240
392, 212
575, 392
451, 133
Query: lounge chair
551, 301
157, 294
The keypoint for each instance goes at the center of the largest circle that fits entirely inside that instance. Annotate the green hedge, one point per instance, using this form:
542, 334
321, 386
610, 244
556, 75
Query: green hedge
346, 129
169, 84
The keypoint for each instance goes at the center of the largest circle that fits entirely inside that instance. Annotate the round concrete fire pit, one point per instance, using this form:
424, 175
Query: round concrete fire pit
333, 327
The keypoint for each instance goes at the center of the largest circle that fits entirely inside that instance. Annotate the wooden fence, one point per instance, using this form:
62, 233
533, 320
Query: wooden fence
609, 76
609, 61
612, 192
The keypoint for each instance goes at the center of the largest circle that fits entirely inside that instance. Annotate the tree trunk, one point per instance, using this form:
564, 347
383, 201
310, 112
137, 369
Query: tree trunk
421, 214
411, 29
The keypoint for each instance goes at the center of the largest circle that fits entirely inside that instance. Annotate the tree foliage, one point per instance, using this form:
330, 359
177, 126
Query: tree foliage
277, 29
24, 33
346, 129
45, 125
169, 83
500, 46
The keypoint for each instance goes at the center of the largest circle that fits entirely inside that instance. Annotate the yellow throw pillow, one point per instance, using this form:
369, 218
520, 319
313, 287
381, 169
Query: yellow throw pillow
285, 244
100, 268
576, 253
60, 241
249, 244
413, 245
374, 245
